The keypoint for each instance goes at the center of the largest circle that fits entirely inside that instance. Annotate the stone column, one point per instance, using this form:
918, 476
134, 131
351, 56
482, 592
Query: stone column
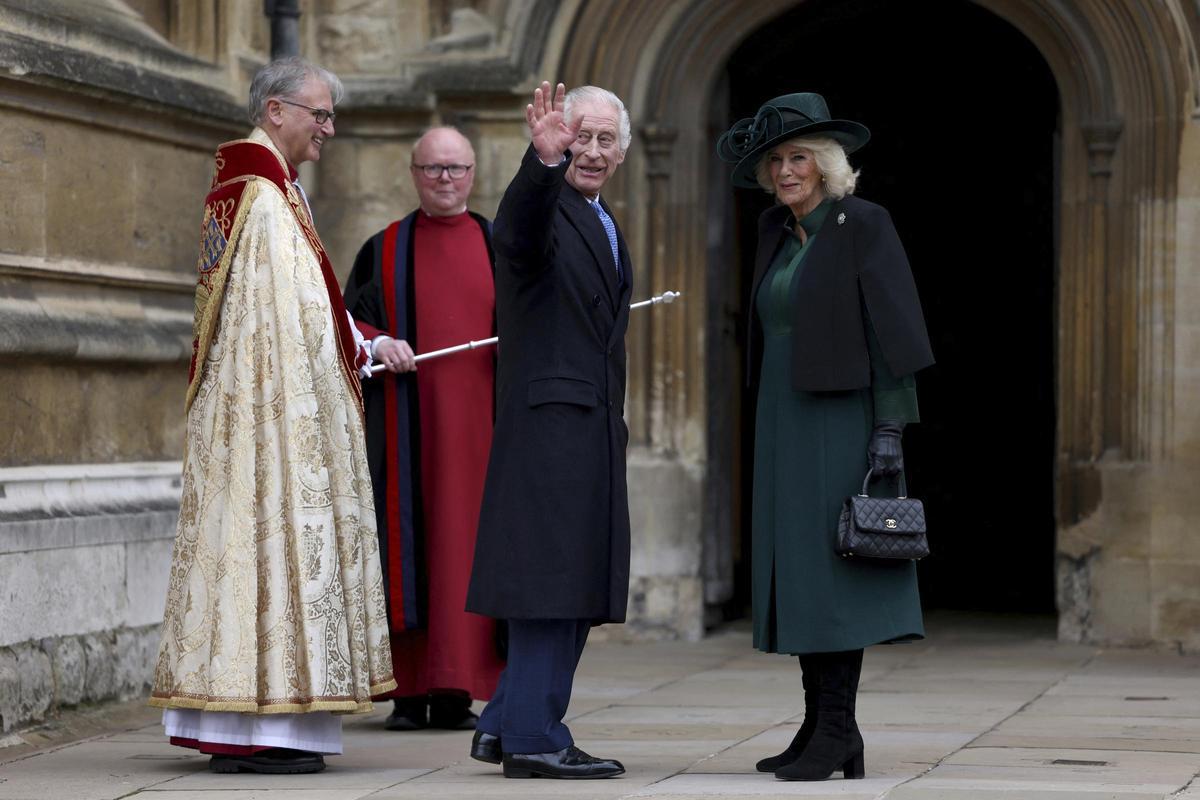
662, 329
1086, 398
666, 592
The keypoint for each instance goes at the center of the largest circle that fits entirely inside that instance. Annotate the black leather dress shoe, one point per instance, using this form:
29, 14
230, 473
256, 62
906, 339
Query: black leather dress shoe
570, 762
486, 748
408, 714
275, 761
451, 711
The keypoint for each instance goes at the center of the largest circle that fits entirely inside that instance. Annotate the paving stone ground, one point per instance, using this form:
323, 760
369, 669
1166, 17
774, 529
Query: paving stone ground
986, 708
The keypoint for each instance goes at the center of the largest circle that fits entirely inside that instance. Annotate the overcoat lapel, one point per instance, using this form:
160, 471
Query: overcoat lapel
625, 290
581, 215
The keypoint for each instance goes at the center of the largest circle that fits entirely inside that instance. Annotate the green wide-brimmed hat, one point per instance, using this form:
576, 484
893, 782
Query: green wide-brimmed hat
778, 120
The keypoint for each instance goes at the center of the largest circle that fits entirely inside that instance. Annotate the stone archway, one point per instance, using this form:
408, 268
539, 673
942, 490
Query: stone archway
1127, 79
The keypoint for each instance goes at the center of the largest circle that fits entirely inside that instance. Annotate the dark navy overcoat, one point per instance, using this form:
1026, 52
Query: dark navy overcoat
553, 537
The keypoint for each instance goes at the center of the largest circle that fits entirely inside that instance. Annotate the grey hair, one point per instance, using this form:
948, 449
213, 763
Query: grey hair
838, 178
285, 77
597, 95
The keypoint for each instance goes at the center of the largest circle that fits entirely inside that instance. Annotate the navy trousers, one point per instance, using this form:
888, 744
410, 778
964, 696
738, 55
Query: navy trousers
534, 690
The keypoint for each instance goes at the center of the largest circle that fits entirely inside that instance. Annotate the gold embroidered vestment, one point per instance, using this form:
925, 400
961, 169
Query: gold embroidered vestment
275, 601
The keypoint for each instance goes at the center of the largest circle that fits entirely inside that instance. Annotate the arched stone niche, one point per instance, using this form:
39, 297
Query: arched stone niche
1127, 77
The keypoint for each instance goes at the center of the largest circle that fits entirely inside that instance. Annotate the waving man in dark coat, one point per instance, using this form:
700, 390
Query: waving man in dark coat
552, 551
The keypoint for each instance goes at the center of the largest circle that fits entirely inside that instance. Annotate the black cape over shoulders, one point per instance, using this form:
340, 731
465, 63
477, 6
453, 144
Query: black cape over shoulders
856, 262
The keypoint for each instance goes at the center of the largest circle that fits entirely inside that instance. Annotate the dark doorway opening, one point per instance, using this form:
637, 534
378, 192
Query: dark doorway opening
963, 112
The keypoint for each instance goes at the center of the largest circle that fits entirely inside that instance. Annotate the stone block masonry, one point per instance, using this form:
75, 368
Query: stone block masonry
84, 558
43, 676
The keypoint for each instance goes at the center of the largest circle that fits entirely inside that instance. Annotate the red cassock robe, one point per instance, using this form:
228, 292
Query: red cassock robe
440, 293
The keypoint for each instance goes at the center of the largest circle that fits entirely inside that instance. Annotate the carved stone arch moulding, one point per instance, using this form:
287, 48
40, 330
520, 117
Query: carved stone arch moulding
1123, 69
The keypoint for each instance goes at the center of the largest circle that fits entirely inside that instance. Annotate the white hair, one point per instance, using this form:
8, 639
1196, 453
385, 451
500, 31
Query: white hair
838, 179
285, 77
597, 95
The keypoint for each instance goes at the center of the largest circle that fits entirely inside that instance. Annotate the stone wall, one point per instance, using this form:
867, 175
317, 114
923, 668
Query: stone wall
84, 555
111, 111
1129, 573
106, 137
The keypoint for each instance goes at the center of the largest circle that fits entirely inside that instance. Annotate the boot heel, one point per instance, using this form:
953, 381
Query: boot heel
855, 768
518, 772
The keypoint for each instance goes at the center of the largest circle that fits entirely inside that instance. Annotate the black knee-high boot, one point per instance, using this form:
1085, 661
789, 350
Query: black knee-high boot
856, 658
836, 742
808, 677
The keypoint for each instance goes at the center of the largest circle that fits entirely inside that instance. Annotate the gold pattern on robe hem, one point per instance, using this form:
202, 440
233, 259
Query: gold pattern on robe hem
275, 601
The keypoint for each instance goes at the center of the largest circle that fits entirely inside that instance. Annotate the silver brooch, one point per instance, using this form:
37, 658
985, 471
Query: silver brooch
842, 218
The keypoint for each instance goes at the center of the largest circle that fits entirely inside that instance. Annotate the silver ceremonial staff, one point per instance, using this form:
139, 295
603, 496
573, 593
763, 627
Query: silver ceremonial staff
665, 297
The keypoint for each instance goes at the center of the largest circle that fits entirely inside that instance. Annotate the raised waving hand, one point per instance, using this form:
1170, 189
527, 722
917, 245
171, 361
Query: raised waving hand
549, 131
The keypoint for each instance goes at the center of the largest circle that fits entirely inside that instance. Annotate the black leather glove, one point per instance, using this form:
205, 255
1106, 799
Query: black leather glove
885, 456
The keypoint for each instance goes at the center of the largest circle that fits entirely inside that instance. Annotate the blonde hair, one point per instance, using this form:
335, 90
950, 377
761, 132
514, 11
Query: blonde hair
837, 177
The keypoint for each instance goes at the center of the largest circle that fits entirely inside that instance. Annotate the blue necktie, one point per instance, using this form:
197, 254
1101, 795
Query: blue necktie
611, 230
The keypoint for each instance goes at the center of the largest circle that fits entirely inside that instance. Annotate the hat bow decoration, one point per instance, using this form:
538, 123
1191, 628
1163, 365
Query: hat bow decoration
778, 120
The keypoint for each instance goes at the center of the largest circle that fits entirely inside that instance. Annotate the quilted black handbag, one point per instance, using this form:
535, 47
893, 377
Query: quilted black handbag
882, 527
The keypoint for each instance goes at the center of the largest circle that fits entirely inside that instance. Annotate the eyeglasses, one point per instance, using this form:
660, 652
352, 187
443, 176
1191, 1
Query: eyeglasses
435, 170
319, 114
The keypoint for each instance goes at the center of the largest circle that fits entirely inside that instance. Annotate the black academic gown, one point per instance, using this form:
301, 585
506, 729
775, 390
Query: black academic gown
382, 296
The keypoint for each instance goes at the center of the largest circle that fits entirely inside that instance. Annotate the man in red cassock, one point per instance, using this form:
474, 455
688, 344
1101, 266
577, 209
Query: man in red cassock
426, 282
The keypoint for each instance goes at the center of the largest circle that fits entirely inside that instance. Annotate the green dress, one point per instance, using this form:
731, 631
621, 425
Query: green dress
810, 453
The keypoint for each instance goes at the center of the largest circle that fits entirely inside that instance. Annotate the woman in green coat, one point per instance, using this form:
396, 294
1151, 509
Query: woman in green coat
837, 326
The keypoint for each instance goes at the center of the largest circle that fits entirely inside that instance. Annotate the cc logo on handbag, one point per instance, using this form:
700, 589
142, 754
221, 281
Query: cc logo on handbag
890, 523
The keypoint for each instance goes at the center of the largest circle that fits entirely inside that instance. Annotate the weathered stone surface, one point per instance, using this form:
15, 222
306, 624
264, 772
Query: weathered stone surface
666, 595
38, 677
69, 663
1184, 444
79, 184
133, 656
1073, 593
22, 186
167, 183
58, 592
1176, 603
73, 50
365, 185
1121, 601
383, 172
99, 665
55, 324
664, 512
1176, 512
36, 684
373, 37
132, 413
10, 690
664, 607
147, 570
58, 532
